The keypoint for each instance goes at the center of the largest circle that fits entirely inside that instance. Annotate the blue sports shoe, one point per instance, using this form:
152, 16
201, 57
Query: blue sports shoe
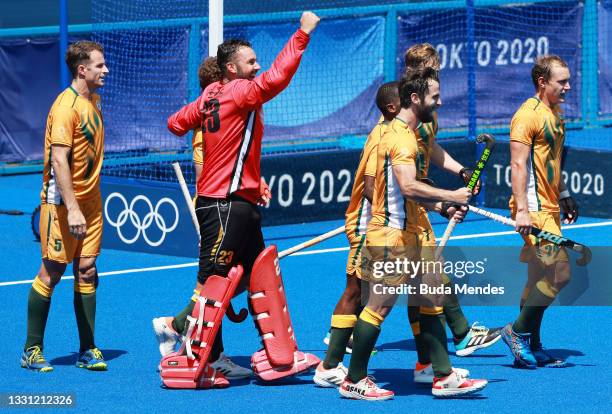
92, 360
33, 358
545, 359
519, 345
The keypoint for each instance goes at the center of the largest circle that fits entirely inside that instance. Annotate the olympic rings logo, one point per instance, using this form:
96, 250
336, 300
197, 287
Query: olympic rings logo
143, 225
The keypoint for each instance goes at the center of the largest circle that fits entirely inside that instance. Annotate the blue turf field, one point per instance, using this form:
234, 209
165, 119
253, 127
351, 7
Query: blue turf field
127, 303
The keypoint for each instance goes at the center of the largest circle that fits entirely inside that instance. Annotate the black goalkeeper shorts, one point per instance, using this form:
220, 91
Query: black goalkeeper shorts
230, 231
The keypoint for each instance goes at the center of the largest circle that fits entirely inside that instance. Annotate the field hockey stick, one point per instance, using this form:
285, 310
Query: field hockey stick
311, 242
489, 142
542, 234
231, 314
12, 212
186, 195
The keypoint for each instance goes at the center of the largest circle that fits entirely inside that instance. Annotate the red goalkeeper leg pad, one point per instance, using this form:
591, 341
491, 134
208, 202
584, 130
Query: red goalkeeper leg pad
280, 356
191, 359
178, 371
267, 372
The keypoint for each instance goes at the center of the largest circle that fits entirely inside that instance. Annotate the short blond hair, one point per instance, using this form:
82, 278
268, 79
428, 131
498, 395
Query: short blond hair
419, 54
543, 66
79, 52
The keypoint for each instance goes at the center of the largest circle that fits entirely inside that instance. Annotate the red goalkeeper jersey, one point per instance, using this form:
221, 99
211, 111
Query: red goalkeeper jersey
231, 117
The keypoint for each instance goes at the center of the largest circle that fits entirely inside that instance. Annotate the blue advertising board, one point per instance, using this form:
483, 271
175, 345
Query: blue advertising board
147, 216
585, 173
507, 41
605, 56
153, 217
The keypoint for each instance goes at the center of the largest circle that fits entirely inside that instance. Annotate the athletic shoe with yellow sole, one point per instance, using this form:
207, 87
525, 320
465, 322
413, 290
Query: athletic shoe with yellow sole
92, 360
33, 359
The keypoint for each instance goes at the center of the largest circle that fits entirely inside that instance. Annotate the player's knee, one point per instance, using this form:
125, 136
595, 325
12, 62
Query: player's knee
562, 275
352, 293
51, 273
87, 273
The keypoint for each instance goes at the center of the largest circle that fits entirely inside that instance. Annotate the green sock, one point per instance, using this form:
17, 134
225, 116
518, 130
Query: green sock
217, 346
338, 339
419, 341
364, 340
178, 323
38, 311
534, 307
535, 329
434, 334
455, 318
85, 312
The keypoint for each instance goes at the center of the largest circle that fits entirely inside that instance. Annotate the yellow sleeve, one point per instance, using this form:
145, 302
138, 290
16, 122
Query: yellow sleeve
64, 121
403, 149
197, 145
524, 127
370, 169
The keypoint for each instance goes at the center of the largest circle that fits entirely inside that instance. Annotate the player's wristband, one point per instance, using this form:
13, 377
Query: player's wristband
564, 194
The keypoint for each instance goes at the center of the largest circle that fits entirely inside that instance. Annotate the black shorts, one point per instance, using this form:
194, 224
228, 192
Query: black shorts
230, 231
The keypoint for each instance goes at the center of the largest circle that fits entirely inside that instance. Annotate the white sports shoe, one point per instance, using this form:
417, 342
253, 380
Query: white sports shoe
332, 377
228, 368
166, 336
424, 374
454, 385
366, 389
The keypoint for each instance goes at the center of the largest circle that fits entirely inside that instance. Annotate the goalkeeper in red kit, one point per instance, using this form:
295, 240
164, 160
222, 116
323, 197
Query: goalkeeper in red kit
231, 117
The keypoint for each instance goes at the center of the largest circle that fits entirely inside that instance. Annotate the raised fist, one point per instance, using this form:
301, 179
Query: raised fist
309, 21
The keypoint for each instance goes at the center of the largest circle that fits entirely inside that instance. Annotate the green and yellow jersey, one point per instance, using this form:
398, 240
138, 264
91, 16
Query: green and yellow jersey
198, 146
398, 146
543, 130
359, 209
426, 137
75, 122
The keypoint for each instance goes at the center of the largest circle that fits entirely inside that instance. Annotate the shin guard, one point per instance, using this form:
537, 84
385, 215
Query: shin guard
188, 367
280, 356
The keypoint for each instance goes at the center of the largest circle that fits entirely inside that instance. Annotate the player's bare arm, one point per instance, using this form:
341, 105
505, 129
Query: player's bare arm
368, 187
448, 210
568, 205
519, 155
61, 168
421, 192
442, 159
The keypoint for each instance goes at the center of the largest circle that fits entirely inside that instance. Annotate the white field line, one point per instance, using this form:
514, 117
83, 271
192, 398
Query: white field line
305, 253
